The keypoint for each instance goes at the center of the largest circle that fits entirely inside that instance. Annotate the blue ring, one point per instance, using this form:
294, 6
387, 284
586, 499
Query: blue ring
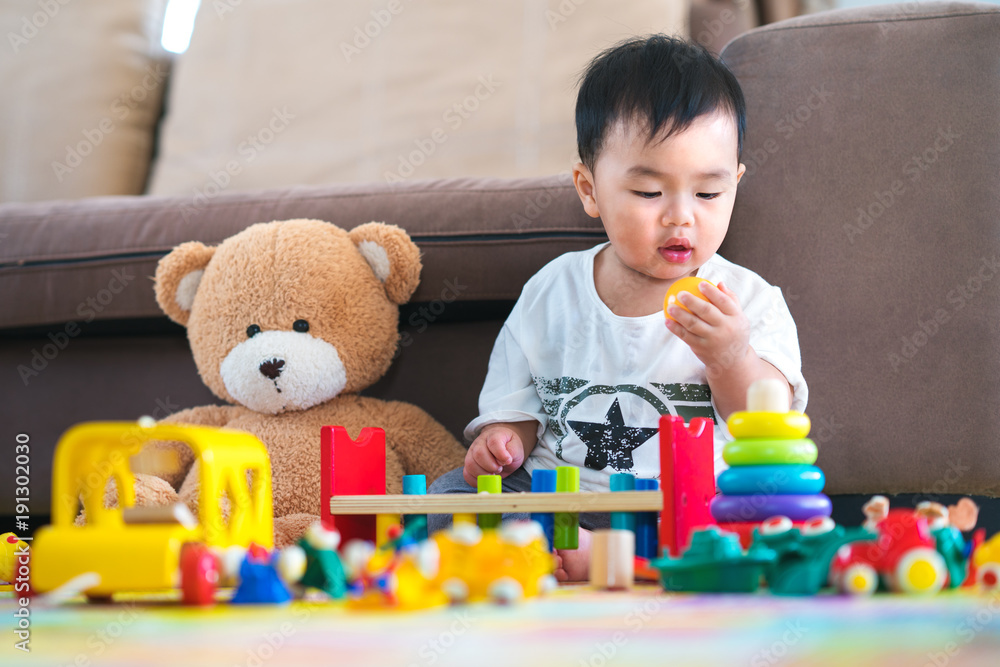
799, 479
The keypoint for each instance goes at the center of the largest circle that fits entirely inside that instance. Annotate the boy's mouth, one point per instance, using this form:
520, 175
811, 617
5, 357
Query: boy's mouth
676, 250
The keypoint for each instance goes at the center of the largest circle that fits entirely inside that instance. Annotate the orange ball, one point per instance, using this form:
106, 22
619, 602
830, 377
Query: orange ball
689, 284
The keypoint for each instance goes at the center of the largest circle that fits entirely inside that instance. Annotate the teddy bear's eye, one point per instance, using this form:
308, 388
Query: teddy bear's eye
301, 326
252, 330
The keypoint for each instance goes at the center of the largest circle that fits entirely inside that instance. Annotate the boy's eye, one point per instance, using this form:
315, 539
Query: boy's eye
646, 195
708, 195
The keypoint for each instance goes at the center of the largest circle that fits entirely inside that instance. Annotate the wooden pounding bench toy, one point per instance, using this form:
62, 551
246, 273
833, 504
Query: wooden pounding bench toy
354, 498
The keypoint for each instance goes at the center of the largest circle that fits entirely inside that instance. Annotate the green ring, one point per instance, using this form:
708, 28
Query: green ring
756, 451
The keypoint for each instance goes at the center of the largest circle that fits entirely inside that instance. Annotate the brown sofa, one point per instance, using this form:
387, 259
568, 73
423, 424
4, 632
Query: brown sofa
870, 198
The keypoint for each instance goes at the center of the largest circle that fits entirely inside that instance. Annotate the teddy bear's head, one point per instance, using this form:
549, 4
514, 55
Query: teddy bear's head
287, 315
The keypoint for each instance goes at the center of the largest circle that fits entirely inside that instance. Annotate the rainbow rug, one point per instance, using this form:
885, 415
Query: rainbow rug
575, 626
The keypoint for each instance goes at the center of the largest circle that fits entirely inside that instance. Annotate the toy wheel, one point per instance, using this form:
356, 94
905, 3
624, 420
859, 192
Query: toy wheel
199, 574
920, 570
546, 584
506, 590
291, 563
858, 579
230, 561
776, 525
456, 589
428, 559
988, 576
818, 525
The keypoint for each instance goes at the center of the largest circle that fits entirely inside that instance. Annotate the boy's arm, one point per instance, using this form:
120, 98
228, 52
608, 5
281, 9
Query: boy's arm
718, 332
729, 387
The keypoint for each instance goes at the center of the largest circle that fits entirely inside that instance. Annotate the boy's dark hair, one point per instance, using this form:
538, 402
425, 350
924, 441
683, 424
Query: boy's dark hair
659, 79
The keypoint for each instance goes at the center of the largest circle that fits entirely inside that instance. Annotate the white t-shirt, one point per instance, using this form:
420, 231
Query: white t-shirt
597, 382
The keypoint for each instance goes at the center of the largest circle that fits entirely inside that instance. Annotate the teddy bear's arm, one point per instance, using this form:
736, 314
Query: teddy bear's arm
423, 445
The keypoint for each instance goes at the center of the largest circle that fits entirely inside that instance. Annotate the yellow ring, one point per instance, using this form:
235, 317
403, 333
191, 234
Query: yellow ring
768, 425
756, 451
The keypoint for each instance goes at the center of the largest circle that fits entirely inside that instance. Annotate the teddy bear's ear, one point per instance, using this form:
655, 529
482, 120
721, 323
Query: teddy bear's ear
177, 277
394, 258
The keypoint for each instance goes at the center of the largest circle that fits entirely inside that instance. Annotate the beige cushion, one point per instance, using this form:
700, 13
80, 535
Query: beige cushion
294, 92
82, 84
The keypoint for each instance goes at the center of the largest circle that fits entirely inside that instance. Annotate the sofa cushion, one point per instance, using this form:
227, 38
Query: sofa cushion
294, 92
871, 197
481, 239
82, 86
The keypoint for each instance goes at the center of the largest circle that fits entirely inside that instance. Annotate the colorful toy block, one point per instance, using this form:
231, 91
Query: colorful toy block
415, 485
489, 484
567, 524
544, 481
351, 467
623, 481
687, 478
612, 559
646, 543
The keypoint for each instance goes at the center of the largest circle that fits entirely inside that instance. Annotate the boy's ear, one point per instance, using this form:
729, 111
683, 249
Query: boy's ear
740, 171
583, 179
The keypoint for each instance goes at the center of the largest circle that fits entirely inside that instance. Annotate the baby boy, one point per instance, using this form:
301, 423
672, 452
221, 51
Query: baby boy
586, 363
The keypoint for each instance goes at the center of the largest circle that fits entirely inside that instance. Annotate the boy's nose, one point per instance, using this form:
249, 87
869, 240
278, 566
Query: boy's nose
677, 213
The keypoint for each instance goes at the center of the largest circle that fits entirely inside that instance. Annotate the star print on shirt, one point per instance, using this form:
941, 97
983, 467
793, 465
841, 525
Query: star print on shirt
612, 442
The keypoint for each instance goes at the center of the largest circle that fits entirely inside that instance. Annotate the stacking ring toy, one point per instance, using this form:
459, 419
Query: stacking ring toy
768, 425
760, 506
774, 479
757, 451
689, 284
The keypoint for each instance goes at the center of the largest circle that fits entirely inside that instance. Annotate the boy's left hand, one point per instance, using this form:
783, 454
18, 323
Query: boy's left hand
717, 330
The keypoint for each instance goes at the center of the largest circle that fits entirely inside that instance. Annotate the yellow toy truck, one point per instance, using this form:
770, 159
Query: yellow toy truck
142, 549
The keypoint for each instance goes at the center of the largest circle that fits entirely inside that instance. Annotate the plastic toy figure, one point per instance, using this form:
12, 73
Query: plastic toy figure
398, 575
10, 547
715, 563
503, 565
259, 581
802, 566
323, 567
946, 525
904, 555
986, 560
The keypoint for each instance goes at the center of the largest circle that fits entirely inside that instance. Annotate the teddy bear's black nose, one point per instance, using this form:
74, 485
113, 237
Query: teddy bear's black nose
272, 369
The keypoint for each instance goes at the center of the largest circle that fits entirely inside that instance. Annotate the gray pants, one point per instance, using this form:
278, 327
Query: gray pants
516, 482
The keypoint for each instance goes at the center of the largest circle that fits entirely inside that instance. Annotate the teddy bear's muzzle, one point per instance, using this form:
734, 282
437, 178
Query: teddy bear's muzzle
280, 371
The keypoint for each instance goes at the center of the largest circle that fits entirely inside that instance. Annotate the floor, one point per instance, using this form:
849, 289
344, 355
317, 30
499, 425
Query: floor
574, 626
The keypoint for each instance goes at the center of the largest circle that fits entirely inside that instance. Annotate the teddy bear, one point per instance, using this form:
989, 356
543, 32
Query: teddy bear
287, 322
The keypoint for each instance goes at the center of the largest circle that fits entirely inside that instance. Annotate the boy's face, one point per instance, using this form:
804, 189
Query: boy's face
665, 204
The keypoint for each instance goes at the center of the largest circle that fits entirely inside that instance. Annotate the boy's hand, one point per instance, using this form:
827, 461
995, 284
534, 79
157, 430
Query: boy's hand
717, 330
497, 451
